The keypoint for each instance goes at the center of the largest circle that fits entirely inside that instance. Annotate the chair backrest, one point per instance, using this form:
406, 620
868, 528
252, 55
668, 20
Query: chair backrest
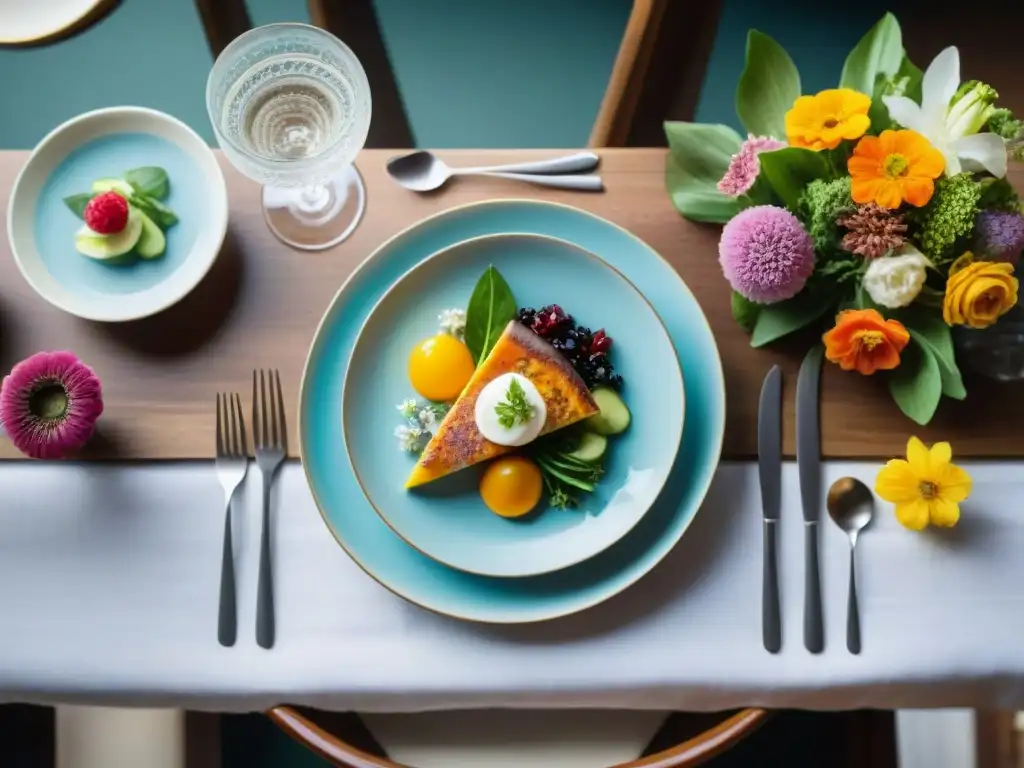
692, 752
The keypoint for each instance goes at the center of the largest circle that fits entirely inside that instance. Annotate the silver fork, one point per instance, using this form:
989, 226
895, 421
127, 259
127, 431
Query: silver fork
232, 463
271, 440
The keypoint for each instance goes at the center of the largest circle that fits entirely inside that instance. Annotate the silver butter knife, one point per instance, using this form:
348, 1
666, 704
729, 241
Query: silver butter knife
808, 459
769, 464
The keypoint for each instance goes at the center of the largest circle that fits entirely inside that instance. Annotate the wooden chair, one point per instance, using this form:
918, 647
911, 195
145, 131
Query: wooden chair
656, 76
368, 754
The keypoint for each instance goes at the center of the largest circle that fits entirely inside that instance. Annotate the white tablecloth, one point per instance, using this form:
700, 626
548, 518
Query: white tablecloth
109, 588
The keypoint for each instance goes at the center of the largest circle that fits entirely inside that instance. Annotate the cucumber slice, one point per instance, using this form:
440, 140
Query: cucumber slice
614, 416
105, 247
120, 186
152, 242
591, 448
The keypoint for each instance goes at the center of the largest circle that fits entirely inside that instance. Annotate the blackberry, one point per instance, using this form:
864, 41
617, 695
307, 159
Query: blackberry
586, 350
526, 316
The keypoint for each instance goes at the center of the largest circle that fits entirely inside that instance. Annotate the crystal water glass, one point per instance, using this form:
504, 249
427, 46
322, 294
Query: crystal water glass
290, 105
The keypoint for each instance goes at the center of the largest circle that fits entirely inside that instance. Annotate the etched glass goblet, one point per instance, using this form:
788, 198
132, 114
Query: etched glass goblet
290, 105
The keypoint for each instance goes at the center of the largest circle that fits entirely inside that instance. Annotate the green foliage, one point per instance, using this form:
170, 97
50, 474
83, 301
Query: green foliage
821, 203
767, 88
1003, 123
948, 218
698, 158
879, 52
841, 268
790, 170
916, 385
998, 195
744, 311
777, 320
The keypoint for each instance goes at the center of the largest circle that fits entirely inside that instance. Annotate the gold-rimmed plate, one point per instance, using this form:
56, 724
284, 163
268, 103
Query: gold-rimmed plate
380, 552
447, 520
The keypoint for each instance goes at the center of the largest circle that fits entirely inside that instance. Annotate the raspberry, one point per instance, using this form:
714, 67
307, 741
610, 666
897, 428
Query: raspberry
107, 214
600, 343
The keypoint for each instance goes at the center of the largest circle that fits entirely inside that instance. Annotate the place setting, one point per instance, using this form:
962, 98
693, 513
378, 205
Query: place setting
510, 411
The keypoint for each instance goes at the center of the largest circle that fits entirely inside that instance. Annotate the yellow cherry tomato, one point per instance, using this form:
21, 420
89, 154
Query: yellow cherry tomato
439, 367
511, 486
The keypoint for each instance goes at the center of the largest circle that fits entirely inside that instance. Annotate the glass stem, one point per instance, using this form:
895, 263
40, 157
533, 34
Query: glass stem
315, 198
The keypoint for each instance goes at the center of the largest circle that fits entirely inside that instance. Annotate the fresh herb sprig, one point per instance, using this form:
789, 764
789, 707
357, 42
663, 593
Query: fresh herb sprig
515, 408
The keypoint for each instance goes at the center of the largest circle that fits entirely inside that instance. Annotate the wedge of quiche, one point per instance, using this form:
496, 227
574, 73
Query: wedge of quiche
458, 444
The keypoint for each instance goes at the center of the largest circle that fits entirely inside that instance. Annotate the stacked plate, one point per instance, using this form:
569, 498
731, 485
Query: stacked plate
442, 548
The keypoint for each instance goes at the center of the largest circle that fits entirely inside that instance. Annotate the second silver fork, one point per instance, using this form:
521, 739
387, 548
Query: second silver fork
271, 440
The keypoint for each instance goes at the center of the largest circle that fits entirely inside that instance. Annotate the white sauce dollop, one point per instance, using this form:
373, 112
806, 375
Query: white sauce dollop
486, 414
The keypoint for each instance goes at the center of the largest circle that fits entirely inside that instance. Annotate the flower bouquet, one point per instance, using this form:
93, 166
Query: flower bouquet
880, 208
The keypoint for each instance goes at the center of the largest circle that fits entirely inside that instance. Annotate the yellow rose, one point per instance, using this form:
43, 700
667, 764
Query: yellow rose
979, 293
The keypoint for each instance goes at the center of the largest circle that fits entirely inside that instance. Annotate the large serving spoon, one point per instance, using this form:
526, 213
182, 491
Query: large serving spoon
851, 505
423, 172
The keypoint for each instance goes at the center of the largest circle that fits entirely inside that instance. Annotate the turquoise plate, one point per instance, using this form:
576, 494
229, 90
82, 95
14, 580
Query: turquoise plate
447, 520
414, 576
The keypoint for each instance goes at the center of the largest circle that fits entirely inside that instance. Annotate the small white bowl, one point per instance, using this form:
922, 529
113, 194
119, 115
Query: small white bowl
104, 143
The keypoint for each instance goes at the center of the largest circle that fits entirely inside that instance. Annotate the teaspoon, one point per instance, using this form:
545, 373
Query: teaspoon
851, 505
423, 171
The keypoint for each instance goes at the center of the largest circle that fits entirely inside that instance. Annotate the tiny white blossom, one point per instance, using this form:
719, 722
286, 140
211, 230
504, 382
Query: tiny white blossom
428, 418
409, 438
408, 408
453, 322
895, 281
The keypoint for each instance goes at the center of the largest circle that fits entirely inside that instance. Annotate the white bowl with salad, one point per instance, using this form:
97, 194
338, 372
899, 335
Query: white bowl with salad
118, 214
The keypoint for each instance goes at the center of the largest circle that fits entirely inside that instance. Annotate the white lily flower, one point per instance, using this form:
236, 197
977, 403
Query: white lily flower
949, 126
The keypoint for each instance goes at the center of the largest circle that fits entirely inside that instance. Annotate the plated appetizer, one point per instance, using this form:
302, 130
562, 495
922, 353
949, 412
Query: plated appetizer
527, 390
124, 216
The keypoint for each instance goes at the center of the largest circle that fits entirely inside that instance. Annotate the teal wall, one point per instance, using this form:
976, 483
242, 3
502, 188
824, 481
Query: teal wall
526, 73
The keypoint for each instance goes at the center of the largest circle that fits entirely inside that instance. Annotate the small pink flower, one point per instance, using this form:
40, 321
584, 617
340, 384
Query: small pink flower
744, 165
49, 404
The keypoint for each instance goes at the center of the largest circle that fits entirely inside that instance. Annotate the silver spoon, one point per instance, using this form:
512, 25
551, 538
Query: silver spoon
851, 505
423, 171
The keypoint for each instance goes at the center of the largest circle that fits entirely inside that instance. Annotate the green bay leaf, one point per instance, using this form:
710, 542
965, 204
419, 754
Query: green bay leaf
491, 307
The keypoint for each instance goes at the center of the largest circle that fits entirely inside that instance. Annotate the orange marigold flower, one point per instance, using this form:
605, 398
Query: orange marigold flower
864, 341
893, 167
825, 119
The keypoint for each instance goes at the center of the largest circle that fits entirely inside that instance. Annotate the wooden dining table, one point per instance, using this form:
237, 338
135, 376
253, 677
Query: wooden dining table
261, 303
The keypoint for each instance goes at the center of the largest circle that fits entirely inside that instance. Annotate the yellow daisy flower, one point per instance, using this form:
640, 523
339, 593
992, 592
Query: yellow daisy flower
926, 487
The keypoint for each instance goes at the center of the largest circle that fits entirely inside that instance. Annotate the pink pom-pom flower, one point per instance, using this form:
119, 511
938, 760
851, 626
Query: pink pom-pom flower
744, 166
49, 404
766, 254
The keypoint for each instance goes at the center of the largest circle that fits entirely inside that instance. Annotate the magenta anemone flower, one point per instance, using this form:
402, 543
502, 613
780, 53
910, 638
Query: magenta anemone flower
49, 404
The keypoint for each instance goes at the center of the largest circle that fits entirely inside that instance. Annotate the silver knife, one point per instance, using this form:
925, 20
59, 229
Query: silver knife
769, 464
808, 460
